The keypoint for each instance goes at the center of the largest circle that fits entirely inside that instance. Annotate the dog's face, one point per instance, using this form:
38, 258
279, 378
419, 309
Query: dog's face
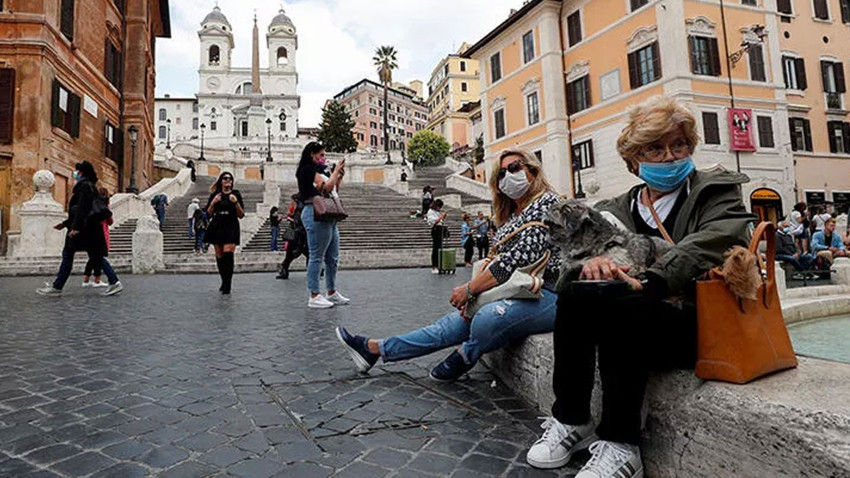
581, 230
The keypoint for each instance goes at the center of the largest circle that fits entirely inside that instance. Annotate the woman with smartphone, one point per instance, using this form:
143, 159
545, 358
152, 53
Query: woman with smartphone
225, 208
315, 178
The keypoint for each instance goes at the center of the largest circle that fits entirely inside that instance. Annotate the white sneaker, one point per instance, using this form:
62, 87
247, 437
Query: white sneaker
87, 283
435, 271
113, 289
100, 284
612, 459
338, 298
48, 289
558, 443
319, 302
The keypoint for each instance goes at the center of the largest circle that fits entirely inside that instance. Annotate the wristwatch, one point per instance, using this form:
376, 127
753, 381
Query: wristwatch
469, 294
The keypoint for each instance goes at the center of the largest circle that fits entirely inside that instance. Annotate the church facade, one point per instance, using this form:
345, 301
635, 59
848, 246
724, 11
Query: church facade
237, 108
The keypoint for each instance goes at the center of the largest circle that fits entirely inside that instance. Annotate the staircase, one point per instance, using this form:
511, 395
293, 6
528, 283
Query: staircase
436, 176
175, 230
379, 219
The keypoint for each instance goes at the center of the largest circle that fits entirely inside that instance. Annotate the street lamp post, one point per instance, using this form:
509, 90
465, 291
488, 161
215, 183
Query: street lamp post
579, 190
201, 157
168, 133
134, 137
269, 136
401, 147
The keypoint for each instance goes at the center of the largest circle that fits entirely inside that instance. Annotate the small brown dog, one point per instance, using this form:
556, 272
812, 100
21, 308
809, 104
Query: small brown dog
741, 272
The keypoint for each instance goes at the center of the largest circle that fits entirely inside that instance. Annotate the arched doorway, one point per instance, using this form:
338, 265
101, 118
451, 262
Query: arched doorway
766, 204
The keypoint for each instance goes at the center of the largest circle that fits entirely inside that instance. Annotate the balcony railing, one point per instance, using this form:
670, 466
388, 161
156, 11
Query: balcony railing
833, 101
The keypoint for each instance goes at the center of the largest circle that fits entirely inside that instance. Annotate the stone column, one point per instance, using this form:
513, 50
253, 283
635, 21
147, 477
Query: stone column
39, 215
147, 246
781, 288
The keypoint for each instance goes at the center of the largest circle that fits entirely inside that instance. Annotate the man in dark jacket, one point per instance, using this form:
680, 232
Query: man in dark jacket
85, 233
786, 249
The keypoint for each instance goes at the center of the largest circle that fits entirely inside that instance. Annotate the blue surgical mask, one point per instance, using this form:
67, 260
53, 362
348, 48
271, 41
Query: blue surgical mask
666, 176
76, 175
786, 229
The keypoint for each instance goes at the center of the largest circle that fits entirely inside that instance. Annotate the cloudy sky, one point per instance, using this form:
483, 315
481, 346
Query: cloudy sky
336, 39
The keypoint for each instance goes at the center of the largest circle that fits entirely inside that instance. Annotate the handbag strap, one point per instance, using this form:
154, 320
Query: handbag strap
658, 222
514, 233
766, 230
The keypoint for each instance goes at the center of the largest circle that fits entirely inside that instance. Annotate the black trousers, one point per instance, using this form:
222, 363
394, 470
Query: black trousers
632, 335
468, 250
483, 244
436, 245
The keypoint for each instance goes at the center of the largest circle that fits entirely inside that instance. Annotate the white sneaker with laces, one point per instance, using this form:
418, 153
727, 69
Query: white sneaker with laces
435, 271
612, 460
558, 443
100, 284
338, 299
113, 289
48, 289
319, 302
87, 283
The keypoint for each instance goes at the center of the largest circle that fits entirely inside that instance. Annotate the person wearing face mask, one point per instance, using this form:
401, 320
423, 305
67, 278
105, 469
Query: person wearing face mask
86, 232
522, 198
630, 324
786, 249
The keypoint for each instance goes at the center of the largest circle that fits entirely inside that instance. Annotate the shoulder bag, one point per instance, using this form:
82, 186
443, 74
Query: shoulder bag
740, 340
328, 208
525, 283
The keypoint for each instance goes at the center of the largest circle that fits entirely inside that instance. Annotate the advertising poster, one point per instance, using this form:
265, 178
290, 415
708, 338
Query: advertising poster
741, 126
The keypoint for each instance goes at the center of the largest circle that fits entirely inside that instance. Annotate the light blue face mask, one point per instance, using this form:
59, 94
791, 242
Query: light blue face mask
667, 176
76, 175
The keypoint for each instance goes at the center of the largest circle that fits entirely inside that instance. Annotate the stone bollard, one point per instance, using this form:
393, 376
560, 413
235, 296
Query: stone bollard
147, 246
780, 279
39, 215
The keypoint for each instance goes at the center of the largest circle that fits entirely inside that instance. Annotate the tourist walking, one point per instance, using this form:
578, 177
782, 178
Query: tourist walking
482, 239
297, 237
190, 214
200, 225
315, 179
636, 328
274, 225
160, 205
94, 267
87, 211
467, 239
225, 208
522, 198
435, 219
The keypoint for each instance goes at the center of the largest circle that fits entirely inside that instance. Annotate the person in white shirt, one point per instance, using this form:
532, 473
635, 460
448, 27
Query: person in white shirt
435, 218
190, 213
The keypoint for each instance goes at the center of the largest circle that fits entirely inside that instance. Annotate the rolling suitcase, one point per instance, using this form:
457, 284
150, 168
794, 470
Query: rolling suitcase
448, 261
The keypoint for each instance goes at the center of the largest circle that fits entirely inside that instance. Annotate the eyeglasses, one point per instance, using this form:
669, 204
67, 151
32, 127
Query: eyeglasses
512, 168
656, 152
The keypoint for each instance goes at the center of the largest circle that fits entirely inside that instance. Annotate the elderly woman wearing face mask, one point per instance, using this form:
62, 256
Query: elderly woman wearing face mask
521, 195
631, 324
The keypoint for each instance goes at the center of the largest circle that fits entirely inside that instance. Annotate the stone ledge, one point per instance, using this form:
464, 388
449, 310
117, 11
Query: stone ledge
794, 423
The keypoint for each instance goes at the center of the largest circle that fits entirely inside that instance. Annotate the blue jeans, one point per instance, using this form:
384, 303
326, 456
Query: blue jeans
323, 244
199, 240
68, 264
275, 233
494, 326
160, 216
191, 227
804, 262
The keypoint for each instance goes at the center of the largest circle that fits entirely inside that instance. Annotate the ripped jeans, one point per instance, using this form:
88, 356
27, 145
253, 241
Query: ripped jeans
494, 326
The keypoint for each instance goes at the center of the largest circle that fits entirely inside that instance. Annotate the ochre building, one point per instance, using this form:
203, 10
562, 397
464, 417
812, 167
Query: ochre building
74, 76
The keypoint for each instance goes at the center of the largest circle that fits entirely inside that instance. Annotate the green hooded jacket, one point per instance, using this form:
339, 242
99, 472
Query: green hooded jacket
712, 220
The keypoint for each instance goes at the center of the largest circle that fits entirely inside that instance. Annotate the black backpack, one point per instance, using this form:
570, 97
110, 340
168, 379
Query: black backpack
99, 208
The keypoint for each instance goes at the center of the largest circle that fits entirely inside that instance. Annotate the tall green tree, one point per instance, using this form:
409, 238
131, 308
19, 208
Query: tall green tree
385, 60
335, 131
478, 152
429, 146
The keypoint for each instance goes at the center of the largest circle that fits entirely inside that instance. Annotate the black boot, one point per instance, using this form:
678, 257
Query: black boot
219, 265
227, 279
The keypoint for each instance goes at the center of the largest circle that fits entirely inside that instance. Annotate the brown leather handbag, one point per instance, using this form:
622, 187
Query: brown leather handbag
739, 340
328, 208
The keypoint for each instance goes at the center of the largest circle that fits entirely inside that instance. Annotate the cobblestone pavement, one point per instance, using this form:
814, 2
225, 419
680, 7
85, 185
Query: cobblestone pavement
172, 379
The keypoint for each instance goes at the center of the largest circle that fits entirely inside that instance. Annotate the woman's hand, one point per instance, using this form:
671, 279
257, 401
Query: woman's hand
459, 297
601, 268
232, 197
217, 198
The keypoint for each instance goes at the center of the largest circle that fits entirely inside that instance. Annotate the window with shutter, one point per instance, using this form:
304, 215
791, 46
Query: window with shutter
807, 134
583, 155
533, 106
644, 66
756, 57
638, 3
800, 67
821, 10
65, 110
7, 104
579, 95
495, 68
112, 64
528, 46
705, 58
765, 129
749, 2
845, 10
499, 123
711, 128
784, 6
66, 19
574, 27
74, 110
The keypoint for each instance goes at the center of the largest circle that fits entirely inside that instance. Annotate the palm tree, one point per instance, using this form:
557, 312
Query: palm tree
385, 60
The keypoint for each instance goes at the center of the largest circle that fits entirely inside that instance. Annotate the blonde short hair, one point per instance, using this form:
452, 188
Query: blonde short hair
648, 122
503, 206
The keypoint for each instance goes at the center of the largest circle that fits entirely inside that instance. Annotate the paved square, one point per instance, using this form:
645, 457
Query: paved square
172, 379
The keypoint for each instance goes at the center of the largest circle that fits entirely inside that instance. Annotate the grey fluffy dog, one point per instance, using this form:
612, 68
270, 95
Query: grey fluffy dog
583, 233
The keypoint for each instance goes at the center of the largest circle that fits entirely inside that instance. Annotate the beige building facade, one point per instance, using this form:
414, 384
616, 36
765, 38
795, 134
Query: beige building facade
558, 76
453, 84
